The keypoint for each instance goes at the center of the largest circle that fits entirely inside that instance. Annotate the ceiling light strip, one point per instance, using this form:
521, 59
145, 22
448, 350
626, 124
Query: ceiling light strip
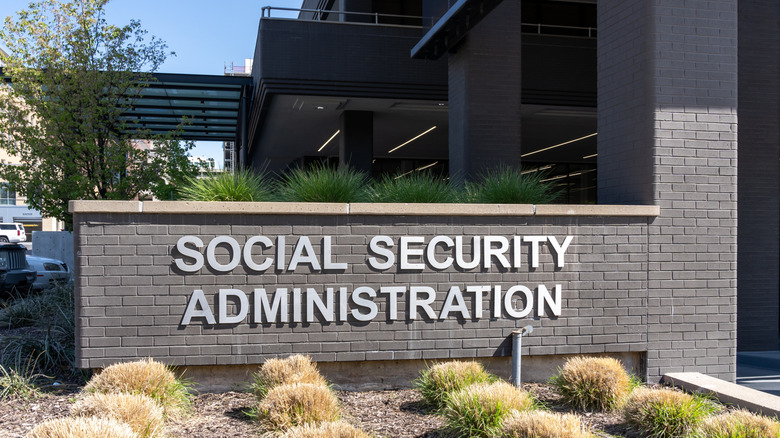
329, 140
411, 140
590, 156
561, 144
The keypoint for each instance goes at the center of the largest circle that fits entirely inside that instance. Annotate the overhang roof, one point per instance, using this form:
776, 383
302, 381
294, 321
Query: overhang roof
210, 104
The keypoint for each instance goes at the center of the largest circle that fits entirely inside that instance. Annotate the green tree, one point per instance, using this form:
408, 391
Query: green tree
72, 76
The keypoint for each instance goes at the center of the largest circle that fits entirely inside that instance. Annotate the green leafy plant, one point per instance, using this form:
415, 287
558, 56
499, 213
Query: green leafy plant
593, 383
738, 424
541, 424
666, 413
323, 183
479, 410
507, 185
437, 382
417, 187
241, 186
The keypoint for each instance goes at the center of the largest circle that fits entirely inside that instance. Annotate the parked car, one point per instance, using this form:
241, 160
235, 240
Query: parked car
49, 272
16, 277
13, 233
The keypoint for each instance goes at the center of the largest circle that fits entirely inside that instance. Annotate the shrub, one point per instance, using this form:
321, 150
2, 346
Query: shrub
323, 183
739, 424
50, 342
416, 187
480, 409
294, 369
507, 185
146, 377
593, 383
82, 427
541, 424
296, 404
241, 186
325, 430
436, 383
666, 413
138, 411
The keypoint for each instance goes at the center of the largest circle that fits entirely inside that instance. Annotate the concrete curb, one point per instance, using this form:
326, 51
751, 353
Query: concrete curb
726, 392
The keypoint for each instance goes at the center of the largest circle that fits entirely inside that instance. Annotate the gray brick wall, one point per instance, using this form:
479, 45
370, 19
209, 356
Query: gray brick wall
759, 175
131, 298
668, 136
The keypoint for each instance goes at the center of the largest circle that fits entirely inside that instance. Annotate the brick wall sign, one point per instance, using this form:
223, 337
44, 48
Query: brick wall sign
234, 284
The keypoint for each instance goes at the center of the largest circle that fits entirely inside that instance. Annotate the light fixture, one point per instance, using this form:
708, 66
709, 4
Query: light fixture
319, 107
560, 144
329, 140
590, 156
417, 170
410, 140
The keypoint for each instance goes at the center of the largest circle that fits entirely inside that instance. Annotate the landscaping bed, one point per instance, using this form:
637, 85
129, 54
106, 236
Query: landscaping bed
396, 414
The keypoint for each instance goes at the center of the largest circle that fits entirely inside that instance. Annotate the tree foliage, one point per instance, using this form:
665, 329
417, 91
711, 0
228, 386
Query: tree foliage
73, 75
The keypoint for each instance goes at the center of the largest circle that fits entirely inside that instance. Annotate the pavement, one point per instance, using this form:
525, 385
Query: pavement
759, 370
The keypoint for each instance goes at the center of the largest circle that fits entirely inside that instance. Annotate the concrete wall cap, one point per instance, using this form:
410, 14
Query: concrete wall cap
370, 209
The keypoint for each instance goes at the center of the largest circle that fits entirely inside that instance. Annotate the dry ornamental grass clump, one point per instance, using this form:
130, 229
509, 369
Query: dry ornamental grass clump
295, 404
293, 369
739, 424
325, 430
593, 383
138, 411
436, 383
82, 427
480, 409
666, 413
541, 424
147, 377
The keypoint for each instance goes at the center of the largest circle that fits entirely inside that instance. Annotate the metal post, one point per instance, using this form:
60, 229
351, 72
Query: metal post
517, 346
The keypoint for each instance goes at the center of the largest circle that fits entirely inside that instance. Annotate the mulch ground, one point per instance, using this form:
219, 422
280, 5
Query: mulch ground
391, 414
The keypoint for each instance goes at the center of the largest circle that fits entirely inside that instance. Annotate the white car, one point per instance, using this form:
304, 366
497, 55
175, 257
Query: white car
49, 272
13, 233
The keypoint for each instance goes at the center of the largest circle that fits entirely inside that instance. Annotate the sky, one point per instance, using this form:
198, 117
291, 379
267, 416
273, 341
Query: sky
206, 35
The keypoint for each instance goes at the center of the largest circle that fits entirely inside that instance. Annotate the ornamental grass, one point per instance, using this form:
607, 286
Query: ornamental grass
293, 369
541, 424
138, 411
417, 187
295, 404
590, 383
82, 427
337, 429
436, 383
739, 424
238, 186
479, 410
508, 185
147, 377
321, 182
666, 413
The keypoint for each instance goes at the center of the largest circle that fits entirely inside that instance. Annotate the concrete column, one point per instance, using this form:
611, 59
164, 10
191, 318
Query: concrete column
667, 111
362, 6
356, 141
484, 94
758, 237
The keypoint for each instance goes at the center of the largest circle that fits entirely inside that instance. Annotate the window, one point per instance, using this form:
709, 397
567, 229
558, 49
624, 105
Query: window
7, 195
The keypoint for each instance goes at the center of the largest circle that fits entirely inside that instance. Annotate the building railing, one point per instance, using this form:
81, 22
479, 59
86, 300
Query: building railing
320, 14
377, 19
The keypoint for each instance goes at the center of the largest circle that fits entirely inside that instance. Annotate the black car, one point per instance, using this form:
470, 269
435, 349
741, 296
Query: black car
16, 277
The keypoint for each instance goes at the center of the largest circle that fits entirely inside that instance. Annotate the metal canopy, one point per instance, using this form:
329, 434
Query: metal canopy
209, 106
